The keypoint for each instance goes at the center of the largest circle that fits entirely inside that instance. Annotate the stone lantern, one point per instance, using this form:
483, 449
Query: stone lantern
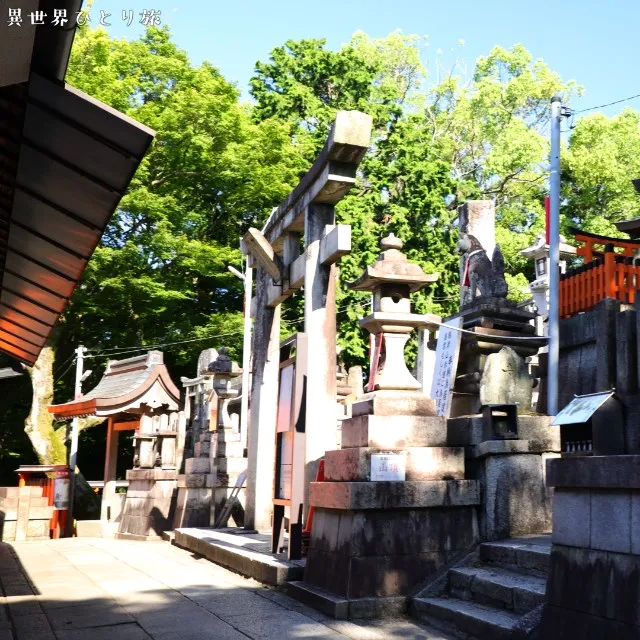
539, 253
223, 370
391, 280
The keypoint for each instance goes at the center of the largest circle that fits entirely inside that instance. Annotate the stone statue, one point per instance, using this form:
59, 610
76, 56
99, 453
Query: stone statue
506, 380
481, 274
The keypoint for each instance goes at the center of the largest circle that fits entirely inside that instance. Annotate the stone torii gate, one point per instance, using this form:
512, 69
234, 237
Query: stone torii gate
298, 248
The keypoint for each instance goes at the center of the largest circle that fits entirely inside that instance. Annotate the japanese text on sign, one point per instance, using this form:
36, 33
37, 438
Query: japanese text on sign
446, 366
388, 466
60, 17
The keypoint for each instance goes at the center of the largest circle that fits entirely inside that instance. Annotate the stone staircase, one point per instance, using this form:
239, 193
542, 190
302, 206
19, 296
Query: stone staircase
494, 598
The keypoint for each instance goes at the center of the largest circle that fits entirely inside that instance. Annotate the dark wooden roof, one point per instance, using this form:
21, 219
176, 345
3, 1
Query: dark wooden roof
65, 162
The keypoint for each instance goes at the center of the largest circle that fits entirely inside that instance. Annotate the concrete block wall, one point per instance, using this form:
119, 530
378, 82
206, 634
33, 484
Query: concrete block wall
593, 590
24, 514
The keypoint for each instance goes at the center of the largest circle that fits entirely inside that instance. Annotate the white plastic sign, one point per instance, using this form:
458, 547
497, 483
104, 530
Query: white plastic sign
388, 466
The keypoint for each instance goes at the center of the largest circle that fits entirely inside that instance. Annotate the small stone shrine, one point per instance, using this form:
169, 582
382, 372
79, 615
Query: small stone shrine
216, 458
227, 451
137, 394
394, 507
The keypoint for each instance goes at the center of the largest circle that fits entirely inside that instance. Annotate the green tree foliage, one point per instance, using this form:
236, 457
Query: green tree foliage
434, 147
160, 273
597, 167
217, 166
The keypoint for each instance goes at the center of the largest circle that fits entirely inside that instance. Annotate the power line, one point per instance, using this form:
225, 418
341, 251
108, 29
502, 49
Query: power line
608, 104
64, 373
125, 350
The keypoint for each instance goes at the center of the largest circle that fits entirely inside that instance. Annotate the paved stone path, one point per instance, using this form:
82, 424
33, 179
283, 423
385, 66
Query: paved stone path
100, 589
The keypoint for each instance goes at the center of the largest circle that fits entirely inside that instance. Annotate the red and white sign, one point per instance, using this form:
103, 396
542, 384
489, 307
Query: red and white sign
61, 488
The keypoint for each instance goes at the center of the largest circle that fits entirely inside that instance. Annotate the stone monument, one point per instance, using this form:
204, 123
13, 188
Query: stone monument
492, 373
227, 449
395, 506
497, 323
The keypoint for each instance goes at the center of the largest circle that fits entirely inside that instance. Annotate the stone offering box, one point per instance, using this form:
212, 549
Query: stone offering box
592, 424
500, 421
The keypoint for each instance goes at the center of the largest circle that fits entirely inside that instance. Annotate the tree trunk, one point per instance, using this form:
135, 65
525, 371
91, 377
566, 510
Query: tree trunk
49, 442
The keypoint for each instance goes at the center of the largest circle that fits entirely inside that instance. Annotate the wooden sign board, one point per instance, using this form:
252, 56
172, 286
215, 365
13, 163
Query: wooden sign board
288, 491
444, 377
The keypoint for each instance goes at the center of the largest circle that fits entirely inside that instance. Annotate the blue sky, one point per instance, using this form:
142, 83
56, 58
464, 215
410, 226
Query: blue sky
594, 43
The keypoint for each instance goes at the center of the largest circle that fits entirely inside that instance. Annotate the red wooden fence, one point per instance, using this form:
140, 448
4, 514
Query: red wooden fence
609, 275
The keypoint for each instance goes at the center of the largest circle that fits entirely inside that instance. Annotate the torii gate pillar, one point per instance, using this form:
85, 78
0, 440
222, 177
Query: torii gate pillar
308, 212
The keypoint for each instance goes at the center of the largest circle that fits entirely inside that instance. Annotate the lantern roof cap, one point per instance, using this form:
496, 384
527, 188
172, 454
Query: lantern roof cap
393, 267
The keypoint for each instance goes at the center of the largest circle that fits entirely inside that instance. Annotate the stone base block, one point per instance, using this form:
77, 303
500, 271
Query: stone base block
423, 463
564, 624
385, 553
516, 501
149, 508
345, 608
230, 449
89, 529
196, 480
144, 526
217, 547
201, 449
7, 530
592, 594
230, 465
394, 432
197, 465
537, 429
193, 507
151, 537
38, 529
393, 495
151, 474
144, 489
394, 403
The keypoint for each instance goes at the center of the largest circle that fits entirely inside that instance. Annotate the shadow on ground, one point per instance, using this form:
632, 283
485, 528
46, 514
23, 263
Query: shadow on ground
99, 589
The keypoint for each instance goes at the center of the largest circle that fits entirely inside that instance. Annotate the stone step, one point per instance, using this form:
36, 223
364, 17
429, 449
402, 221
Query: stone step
466, 619
525, 555
497, 587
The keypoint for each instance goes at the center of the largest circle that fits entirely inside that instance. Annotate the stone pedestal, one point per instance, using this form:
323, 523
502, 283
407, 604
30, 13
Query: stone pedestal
511, 474
374, 543
495, 322
150, 504
593, 590
196, 486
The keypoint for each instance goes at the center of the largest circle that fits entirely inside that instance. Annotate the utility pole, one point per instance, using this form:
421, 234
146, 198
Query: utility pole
554, 259
75, 427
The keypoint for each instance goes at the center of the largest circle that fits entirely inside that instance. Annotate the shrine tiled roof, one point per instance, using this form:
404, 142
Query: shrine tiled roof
125, 386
